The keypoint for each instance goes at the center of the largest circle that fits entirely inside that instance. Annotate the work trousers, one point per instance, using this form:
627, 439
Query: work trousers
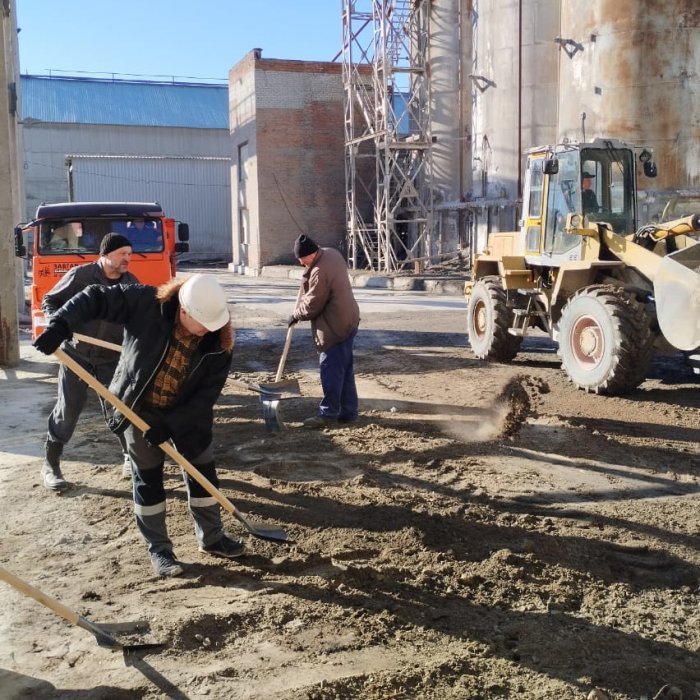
72, 395
149, 495
338, 382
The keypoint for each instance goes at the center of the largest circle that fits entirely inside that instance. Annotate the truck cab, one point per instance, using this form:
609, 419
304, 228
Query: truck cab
64, 235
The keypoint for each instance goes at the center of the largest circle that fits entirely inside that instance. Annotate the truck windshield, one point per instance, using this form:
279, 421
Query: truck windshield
63, 237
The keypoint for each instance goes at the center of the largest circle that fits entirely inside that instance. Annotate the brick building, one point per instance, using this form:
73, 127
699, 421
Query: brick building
288, 173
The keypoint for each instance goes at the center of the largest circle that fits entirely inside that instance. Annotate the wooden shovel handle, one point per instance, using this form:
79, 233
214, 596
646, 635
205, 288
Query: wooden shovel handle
29, 590
285, 352
287, 342
143, 427
97, 341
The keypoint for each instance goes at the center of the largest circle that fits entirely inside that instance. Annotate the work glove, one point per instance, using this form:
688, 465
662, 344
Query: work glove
159, 431
291, 320
54, 334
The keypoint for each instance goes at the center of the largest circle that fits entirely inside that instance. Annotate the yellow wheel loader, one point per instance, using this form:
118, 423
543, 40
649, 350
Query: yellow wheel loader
610, 293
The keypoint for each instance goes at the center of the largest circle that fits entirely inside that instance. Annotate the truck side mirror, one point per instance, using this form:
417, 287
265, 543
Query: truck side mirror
650, 169
20, 248
183, 232
551, 166
182, 247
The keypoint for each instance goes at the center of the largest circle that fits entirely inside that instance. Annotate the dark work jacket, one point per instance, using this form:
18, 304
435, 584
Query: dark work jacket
74, 281
148, 315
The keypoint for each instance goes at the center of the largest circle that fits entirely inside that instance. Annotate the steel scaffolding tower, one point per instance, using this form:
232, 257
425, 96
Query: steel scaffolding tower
387, 132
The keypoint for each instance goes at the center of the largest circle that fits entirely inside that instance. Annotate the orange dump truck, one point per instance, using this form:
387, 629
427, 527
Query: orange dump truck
64, 235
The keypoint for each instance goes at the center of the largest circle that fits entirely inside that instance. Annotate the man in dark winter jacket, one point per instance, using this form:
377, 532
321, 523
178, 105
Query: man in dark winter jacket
326, 299
175, 358
111, 268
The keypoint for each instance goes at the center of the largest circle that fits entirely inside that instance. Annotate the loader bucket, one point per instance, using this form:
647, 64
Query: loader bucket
677, 292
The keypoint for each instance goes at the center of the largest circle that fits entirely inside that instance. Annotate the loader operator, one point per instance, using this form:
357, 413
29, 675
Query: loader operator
326, 299
176, 355
111, 268
588, 198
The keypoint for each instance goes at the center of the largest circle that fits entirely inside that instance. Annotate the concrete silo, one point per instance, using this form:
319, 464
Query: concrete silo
514, 75
632, 69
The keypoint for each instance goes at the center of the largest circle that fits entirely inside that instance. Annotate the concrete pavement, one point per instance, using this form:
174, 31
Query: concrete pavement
452, 285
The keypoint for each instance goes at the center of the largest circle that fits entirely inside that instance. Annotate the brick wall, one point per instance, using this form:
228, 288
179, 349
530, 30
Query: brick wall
295, 139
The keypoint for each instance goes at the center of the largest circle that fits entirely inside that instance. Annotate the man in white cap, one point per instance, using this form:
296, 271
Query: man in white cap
175, 358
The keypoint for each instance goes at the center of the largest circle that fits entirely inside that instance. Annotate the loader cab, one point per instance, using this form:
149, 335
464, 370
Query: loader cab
595, 179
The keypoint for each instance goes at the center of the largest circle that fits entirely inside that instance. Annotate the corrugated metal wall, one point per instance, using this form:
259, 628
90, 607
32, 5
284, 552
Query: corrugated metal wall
195, 190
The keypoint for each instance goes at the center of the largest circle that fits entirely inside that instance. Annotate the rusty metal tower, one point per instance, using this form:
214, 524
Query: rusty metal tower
387, 132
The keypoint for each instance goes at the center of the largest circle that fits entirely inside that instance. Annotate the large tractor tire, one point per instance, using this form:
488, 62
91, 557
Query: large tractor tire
488, 321
605, 340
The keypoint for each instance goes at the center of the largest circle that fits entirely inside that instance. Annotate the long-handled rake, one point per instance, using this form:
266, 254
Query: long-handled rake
103, 633
264, 532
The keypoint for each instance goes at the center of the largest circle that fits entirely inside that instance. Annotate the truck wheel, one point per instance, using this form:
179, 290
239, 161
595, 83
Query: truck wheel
605, 340
488, 321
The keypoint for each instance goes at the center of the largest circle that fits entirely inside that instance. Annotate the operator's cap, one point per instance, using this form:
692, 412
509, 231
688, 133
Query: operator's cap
587, 174
203, 298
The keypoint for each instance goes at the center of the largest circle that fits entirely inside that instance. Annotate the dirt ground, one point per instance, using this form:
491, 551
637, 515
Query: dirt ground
484, 531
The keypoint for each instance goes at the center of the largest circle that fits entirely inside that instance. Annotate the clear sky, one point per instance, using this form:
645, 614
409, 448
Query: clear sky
173, 38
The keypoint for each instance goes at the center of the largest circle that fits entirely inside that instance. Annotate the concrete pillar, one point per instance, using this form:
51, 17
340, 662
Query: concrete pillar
10, 189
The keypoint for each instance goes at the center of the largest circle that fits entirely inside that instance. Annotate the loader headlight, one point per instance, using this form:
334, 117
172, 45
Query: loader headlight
574, 221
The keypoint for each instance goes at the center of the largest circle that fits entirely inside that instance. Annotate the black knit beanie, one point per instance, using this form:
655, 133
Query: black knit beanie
304, 246
113, 241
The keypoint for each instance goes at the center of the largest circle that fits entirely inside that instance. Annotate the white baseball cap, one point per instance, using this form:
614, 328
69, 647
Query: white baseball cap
203, 298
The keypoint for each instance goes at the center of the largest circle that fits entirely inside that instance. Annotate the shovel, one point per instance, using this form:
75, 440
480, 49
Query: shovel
288, 386
273, 389
102, 633
261, 531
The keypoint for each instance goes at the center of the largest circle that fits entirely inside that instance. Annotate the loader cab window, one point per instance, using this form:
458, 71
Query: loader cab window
536, 185
534, 190
610, 187
563, 197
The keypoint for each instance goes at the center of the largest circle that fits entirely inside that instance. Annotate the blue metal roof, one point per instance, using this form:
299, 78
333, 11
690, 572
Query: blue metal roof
93, 101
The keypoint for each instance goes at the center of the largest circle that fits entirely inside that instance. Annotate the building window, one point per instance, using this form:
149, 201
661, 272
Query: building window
244, 234
243, 156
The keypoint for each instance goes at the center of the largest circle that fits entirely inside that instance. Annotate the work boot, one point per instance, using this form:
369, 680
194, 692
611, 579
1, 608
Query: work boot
165, 564
126, 468
225, 547
51, 468
316, 422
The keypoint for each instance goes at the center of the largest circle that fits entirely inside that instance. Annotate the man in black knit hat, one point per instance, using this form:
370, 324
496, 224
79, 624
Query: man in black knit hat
326, 299
111, 268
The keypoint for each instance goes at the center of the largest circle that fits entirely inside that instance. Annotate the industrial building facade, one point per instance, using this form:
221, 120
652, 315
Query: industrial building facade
489, 79
89, 139
323, 148
287, 178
